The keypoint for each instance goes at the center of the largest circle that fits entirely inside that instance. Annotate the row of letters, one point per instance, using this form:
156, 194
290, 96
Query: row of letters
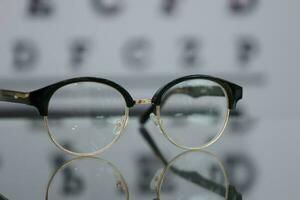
44, 8
136, 52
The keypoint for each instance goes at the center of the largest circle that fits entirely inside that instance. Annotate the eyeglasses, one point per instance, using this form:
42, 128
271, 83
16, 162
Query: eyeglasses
191, 111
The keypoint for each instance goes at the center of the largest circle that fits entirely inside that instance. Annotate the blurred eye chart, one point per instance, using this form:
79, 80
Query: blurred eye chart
144, 44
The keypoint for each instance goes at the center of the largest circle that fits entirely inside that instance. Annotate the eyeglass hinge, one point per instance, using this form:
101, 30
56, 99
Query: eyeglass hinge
21, 95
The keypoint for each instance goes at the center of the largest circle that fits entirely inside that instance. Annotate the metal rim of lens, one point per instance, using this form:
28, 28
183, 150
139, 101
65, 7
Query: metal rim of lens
85, 157
218, 135
165, 170
57, 144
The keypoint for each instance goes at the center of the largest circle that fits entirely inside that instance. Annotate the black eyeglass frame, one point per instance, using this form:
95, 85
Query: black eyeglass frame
40, 99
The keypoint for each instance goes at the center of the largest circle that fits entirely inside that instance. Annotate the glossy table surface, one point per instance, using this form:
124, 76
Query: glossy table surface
31, 167
28, 160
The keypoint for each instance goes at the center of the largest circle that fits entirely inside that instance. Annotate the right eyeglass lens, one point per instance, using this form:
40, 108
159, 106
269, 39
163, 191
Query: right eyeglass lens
194, 112
85, 117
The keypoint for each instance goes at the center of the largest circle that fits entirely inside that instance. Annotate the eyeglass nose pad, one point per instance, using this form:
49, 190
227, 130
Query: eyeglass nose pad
154, 119
121, 185
155, 180
119, 125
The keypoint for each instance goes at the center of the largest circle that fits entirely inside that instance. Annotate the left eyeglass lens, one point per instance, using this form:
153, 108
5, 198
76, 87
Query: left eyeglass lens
194, 112
86, 117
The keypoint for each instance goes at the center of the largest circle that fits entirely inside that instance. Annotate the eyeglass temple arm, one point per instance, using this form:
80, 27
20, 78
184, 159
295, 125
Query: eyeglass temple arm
191, 175
3, 197
15, 96
192, 91
152, 144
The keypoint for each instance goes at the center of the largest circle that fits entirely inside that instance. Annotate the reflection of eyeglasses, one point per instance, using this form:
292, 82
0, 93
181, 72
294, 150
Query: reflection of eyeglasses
101, 179
198, 103
95, 170
190, 175
195, 171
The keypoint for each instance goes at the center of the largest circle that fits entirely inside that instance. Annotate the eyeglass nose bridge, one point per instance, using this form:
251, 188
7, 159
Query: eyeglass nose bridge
142, 101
